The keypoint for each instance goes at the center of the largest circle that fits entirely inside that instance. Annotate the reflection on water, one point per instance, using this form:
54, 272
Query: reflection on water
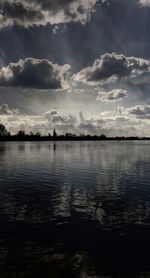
74, 209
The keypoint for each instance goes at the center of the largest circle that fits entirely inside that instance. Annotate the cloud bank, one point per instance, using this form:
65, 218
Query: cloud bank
130, 122
38, 12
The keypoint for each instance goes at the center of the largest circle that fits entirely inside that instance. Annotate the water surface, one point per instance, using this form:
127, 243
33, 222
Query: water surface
74, 209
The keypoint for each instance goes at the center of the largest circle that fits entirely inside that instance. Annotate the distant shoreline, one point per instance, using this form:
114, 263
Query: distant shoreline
33, 137
69, 139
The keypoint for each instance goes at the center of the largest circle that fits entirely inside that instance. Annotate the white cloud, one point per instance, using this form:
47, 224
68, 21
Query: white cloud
140, 111
145, 2
4, 110
114, 95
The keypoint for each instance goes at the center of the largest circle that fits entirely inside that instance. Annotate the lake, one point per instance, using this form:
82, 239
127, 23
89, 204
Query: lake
75, 209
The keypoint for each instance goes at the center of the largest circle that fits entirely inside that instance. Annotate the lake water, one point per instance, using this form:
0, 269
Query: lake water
74, 209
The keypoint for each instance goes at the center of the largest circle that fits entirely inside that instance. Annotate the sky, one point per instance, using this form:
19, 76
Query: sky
79, 66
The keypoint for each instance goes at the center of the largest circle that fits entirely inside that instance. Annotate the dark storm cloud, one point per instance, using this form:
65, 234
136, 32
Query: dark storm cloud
18, 13
39, 12
113, 67
33, 73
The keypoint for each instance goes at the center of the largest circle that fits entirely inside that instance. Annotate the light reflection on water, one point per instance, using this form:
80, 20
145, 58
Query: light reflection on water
74, 209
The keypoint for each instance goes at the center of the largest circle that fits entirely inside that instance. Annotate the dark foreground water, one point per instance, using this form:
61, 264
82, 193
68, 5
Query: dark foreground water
75, 209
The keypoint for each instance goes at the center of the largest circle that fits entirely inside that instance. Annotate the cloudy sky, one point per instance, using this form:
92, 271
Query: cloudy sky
75, 65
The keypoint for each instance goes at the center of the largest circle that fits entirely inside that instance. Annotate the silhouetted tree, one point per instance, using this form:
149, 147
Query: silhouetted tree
3, 131
38, 134
21, 133
54, 133
103, 136
70, 135
31, 134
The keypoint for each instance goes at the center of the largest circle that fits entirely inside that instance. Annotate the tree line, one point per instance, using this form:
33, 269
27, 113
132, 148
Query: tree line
5, 135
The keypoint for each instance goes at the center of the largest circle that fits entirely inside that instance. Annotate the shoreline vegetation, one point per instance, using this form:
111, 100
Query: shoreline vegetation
22, 136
